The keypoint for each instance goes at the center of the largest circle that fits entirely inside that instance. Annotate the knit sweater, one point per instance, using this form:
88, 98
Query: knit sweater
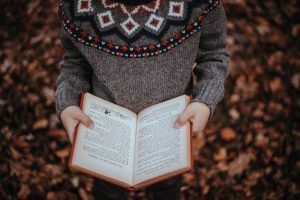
140, 55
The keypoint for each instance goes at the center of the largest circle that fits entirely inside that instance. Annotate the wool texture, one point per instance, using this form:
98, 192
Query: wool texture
141, 55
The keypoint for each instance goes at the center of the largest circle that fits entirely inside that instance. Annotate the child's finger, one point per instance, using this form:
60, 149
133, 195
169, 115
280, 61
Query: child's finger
83, 118
197, 125
183, 118
69, 125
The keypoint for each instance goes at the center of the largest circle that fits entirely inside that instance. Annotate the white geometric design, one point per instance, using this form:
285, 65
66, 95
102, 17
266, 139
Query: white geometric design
84, 6
176, 9
111, 4
105, 19
129, 25
154, 22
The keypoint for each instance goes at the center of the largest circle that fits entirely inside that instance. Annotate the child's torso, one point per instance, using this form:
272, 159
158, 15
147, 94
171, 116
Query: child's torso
140, 55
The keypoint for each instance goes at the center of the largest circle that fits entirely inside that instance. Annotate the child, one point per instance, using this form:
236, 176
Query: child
137, 53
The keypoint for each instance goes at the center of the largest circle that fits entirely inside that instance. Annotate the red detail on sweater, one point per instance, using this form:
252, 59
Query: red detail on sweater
129, 26
177, 36
83, 34
106, 19
110, 45
154, 22
84, 4
124, 48
176, 9
165, 42
152, 47
96, 39
190, 27
138, 49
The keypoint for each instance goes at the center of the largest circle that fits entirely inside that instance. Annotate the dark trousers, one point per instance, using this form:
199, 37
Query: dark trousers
168, 189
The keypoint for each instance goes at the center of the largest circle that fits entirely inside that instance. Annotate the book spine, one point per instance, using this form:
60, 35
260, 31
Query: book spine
191, 145
75, 133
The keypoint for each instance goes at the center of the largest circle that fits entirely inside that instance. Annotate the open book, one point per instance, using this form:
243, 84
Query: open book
132, 151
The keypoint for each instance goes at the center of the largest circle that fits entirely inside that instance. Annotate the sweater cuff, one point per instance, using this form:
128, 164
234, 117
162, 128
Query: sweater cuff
208, 93
65, 99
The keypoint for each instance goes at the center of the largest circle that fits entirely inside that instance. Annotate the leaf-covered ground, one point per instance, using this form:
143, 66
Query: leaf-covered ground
252, 146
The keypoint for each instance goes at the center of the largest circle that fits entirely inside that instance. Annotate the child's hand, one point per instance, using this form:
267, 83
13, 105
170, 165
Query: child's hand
198, 113
70, 117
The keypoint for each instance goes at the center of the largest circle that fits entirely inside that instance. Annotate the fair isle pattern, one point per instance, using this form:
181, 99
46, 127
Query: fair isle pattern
129, 10
154, 22
84, 6
105, 19
129, 25
176, 9
128, 51
143, 30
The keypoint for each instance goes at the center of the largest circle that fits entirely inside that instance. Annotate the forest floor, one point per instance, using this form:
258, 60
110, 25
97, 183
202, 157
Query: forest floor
252, 146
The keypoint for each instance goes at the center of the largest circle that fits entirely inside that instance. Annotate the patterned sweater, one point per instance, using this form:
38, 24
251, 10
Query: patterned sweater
139, 55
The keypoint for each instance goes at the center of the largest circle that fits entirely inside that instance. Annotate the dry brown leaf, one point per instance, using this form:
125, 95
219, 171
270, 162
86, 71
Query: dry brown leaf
275, 84
63, 153
15, 154
261, 140
220, 155
198, 142
58, 133
24, 192
228, 134
239, 164
83, 194
40, 124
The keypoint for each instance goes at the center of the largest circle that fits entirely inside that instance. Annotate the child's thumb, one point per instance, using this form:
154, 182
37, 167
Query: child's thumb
182, 119
86, 120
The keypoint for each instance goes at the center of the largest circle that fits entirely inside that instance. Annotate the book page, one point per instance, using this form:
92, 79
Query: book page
108, 148
161, 148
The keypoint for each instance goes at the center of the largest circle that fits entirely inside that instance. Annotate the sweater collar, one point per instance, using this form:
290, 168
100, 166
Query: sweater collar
134, 2
163, 25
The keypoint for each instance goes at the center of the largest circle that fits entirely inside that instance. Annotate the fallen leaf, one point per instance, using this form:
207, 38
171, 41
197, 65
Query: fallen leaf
15, 154
40, 124
83, 194
58, 133
63, 153
228, 134
24, 192
220, 155
198, 142
238, 165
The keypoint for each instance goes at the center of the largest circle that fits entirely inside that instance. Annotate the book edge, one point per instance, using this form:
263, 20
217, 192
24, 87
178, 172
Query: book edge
82, 95
161, 178
160, 103
101, 176
113, 104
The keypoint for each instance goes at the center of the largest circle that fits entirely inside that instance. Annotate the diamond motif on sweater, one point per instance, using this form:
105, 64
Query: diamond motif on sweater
176, 9
105, 19
130, 26
154, 22
84, 6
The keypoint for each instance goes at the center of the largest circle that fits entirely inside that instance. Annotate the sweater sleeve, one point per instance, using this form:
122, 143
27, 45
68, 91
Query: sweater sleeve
212, 60
74, 77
